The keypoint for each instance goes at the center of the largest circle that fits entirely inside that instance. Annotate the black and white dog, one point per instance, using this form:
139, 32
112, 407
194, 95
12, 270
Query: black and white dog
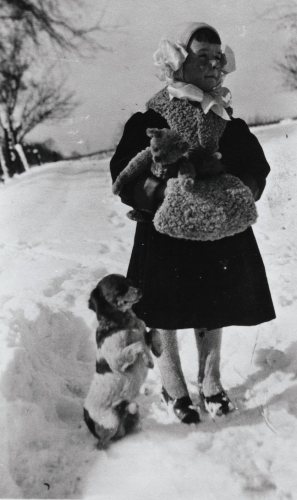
122, 360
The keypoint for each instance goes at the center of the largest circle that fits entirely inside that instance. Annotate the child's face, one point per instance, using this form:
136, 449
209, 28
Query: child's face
203, 65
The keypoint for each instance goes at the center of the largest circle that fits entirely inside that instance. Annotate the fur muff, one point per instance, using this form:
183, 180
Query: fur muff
165, 158
216, 207
122, 359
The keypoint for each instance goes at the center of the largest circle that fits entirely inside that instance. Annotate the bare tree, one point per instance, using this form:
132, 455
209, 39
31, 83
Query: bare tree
47, 99
31, 30
283, 15
14, 64
61, 22
28, 96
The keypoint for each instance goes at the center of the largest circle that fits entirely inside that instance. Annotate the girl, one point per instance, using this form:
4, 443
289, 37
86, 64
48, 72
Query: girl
204, 285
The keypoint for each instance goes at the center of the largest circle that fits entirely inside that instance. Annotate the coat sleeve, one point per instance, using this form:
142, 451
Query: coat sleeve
245, 157
144, 192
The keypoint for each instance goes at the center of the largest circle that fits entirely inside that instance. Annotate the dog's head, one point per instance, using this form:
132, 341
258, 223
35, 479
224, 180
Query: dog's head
113, 293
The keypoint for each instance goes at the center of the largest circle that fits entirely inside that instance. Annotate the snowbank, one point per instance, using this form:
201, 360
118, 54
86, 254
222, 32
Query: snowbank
61, 231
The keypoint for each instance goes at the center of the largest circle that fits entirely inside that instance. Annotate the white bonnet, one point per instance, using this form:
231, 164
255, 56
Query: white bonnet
172, 51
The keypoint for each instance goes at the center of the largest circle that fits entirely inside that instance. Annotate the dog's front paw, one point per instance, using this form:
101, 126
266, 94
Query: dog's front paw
156, 342
148, 360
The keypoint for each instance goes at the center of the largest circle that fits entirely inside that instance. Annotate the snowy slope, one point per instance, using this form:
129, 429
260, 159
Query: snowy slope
61, 231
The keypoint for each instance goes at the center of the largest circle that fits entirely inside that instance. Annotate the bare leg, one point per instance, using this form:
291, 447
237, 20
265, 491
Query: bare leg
215, 399
209, 355
170, 366
175, 390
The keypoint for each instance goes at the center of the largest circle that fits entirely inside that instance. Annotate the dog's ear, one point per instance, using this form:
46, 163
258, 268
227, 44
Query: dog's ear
91, 303
100, 305
104, 309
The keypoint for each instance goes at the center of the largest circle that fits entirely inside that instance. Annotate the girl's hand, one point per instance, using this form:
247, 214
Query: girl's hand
249, 181
149, 193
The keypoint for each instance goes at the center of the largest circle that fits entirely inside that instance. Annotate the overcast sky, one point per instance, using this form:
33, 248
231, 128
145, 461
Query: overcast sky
117, 83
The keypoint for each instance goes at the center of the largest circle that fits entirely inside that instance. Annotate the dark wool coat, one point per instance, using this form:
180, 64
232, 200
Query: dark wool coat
192, 284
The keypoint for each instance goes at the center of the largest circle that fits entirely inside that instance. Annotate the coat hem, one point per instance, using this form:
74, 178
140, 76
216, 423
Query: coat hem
204, 324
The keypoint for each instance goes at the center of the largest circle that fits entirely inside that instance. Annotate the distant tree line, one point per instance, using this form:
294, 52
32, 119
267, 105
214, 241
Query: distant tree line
32, 90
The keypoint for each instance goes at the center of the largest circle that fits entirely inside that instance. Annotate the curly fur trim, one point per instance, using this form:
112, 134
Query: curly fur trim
189, 120
217, 207
140, 163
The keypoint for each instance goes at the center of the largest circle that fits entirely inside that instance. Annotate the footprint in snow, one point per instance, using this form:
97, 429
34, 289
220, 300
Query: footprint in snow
116, 220
103, 249
277, 359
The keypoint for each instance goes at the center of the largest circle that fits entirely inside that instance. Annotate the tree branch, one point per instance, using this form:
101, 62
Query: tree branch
45, 101
56, 20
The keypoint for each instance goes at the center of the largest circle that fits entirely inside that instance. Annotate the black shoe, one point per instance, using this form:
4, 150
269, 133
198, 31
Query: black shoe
218, 404
183, 408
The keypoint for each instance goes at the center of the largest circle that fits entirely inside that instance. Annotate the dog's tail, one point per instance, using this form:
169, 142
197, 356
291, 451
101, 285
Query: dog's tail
100, 305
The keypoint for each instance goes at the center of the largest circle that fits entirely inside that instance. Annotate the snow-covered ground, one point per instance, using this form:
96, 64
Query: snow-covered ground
61, 231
